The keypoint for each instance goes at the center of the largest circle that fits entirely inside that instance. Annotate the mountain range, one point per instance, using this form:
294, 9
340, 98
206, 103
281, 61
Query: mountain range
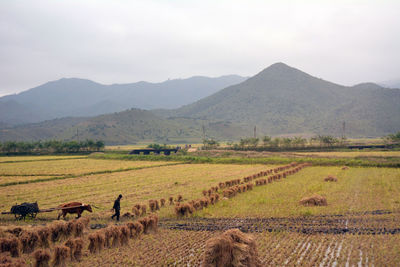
82, 98
284, 100
280, 100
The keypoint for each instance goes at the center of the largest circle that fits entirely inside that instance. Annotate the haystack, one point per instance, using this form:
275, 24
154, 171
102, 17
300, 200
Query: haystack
232, 248
315, 200
330, 178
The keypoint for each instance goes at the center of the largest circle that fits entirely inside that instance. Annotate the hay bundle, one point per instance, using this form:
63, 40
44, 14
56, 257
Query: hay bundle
15, 231
143, 209
153, 222
42, 258
197, 205
135, 229
58, 230
7, 261
70, 228
212, 199
330, 178
80, 226
11, 245
127, 215
124, 234
78, 245
162, 202
71, 244
152, 205
44, 235
185, 209
136, 211
116, 236
232, 248
60, 255
29, 241
145, 223
85, 221
249, 186
107, 236
315, 200
92, 242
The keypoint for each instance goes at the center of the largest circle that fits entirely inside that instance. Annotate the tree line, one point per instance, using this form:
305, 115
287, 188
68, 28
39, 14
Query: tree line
50, 147
267, 142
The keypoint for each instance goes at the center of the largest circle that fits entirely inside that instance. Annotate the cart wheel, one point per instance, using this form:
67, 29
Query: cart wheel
32, 215
19, 217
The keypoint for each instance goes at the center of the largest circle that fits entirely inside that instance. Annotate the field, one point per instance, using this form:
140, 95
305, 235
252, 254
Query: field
359, 225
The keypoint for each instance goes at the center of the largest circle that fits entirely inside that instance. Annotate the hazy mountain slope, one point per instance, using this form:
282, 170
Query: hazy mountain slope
79, 97
284, 100
125, 127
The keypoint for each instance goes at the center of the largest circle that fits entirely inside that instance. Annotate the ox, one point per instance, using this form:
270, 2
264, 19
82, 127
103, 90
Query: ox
73, 207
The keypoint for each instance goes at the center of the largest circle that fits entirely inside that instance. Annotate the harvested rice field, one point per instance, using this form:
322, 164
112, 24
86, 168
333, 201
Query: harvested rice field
359, 226
69, 166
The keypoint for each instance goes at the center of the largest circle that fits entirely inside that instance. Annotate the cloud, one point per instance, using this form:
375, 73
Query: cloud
125, 41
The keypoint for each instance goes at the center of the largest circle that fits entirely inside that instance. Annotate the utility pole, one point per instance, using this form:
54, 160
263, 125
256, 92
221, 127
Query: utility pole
344, 130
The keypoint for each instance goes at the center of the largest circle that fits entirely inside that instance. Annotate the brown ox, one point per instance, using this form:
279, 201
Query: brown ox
73, 207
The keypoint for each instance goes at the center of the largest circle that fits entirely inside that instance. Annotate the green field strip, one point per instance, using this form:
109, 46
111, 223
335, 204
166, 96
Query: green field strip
266, 160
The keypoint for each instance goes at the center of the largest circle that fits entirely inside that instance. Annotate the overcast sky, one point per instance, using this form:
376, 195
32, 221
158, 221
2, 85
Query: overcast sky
121, 41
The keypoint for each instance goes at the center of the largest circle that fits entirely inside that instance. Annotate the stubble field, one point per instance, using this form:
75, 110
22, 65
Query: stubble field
359, 226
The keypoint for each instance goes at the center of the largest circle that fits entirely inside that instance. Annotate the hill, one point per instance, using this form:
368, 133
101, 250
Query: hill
82, 98
284, 100
125, 127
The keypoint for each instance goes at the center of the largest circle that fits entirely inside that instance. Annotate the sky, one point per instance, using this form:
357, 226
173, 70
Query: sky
121, 41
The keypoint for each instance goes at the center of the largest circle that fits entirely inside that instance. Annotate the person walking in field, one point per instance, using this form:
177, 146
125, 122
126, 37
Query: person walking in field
117, 207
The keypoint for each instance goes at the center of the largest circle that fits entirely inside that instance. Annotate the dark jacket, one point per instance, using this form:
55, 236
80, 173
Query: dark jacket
117, 205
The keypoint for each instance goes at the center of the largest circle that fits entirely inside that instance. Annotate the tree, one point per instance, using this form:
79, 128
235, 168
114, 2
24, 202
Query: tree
210, 143
266, 140
327, 140
394, 138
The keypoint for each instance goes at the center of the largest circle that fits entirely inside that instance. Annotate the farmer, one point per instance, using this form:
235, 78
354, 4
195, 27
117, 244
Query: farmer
117, 207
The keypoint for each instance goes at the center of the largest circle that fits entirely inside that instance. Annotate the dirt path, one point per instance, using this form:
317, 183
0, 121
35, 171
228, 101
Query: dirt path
377, 222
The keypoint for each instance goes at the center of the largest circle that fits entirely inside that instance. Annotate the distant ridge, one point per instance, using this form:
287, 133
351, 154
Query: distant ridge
284, 100
81, 97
